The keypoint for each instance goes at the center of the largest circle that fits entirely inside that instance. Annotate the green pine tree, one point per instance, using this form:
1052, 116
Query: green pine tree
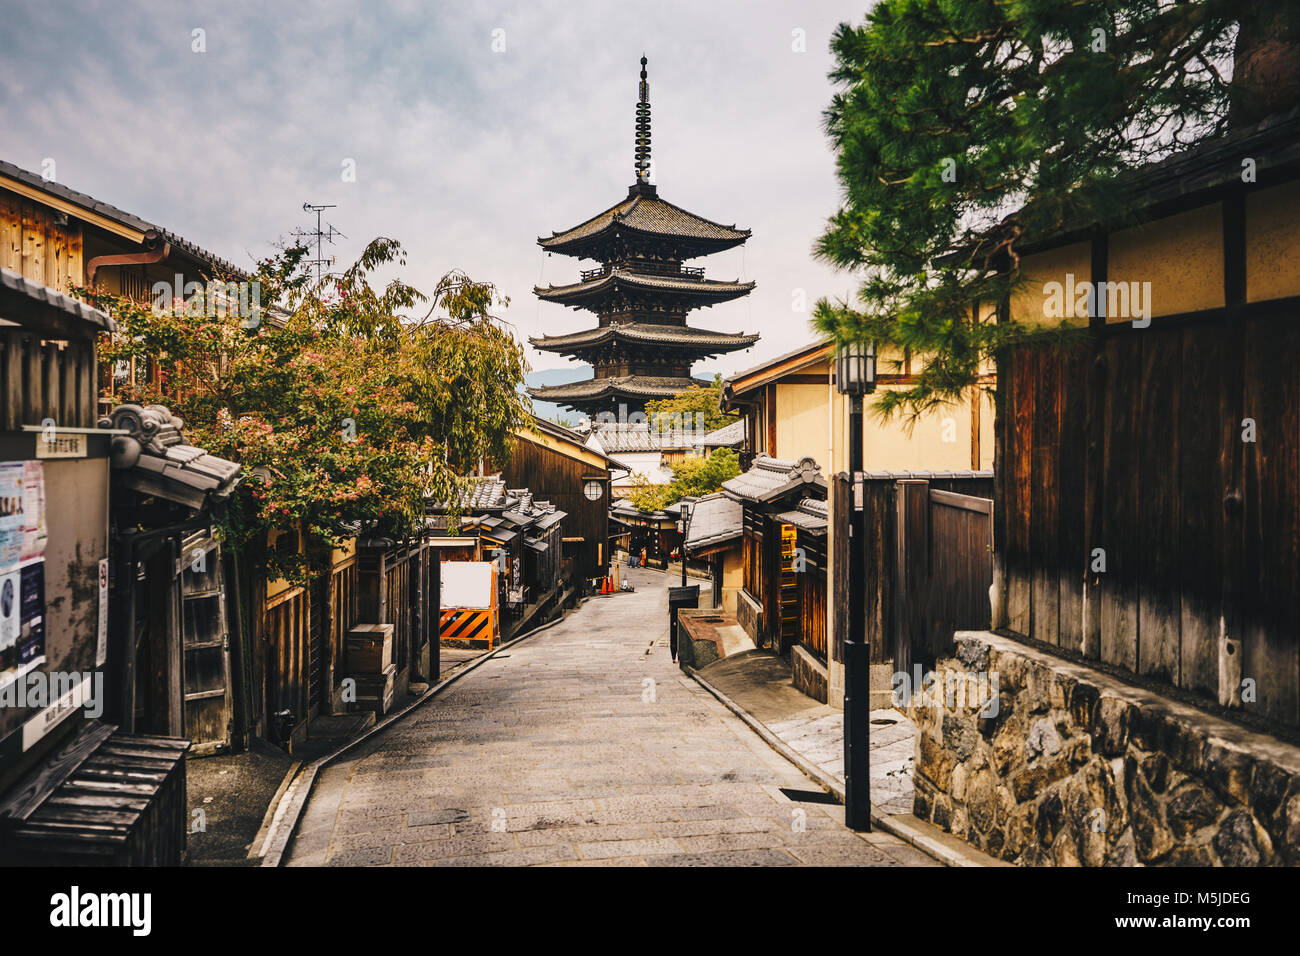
963, 128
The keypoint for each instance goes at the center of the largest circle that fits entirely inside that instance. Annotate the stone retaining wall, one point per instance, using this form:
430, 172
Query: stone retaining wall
808, 673
750, 615
1079, 769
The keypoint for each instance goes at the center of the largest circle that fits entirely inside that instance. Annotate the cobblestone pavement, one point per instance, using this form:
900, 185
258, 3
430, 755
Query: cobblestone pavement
581, 746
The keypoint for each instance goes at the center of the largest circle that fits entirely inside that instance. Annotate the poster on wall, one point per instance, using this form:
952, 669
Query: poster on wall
22, 621
31, 633
10, 622
22, 569
34, 533
11, 513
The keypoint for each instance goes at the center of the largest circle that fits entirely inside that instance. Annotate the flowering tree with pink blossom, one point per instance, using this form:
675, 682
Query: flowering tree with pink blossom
347, 405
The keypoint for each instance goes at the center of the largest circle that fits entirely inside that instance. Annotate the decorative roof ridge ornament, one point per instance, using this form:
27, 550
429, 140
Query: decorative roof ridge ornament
642, 153
155, 460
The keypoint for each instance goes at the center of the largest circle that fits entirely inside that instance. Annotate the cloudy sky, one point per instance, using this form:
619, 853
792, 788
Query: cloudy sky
463, 152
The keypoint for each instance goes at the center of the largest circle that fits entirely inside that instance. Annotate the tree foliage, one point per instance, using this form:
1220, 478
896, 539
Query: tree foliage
692, 478
963, 129
686, 408
344, 413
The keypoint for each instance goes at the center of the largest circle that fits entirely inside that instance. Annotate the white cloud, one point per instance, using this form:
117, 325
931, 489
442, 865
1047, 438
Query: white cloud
463, 154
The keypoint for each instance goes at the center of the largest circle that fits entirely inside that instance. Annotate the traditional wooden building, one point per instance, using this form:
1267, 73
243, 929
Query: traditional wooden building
53, 234
1170, 441
779, 501
715, 534
1146, 528
645, 453
792, 410
641, 348
654, 532
522, 535
64, 675
558, 465
171, 612
733, 436
62, 238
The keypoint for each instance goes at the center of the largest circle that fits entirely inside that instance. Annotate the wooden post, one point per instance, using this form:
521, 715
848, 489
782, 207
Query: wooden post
912, 570
839, 542
239, 649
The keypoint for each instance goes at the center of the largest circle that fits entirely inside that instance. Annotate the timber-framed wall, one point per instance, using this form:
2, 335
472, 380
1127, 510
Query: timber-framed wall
1148, 481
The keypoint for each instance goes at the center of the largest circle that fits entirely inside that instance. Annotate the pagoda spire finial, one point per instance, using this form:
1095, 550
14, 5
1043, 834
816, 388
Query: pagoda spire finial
643, 129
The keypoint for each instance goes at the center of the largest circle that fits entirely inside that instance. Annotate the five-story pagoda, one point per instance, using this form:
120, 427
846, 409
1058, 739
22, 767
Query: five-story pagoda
642, 349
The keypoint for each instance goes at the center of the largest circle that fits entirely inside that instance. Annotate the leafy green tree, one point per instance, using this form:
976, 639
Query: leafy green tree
345, 410
681, 410
964, 129
692, 478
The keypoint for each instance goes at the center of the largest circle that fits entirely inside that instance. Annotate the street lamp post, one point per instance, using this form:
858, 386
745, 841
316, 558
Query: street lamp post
855, 376
685, 521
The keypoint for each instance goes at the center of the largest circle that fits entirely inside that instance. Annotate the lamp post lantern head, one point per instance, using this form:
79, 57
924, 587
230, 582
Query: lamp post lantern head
855, 368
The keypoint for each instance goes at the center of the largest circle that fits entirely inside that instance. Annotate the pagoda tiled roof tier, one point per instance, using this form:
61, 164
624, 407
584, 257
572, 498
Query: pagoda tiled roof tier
601, 389
591, 293
644, 216
643, 333
642, 291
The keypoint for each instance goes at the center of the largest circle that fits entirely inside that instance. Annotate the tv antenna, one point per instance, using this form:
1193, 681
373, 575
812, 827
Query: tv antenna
324, 232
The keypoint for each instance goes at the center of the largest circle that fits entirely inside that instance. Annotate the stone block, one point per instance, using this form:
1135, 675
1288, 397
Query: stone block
1191, 808
1083, 704
1111, 726
959, 735
1241, 842
973, 654
1043, 740
1032, 781
958, 788
934, 762
1229, 771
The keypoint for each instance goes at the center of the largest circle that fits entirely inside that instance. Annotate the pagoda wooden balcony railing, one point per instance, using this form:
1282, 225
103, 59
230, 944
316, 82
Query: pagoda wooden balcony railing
665, 269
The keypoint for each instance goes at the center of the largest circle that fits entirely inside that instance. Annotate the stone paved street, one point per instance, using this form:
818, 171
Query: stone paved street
584, 745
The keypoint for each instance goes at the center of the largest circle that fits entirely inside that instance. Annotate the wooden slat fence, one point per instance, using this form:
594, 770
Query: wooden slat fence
928, 561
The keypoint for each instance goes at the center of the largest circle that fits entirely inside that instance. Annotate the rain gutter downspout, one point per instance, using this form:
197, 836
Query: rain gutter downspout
156, 253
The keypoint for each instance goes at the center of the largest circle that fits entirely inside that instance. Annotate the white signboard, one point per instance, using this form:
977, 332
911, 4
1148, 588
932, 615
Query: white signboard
40, 725
61, 445
466, 584
101, 641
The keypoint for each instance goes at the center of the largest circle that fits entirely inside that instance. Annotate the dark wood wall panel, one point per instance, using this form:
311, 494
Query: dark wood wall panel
840, 499
557, 478
1020, 422
1200, 492
1133, 444
1071, 535
1158, 511
1121, 488
1271, 618
1044, 498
